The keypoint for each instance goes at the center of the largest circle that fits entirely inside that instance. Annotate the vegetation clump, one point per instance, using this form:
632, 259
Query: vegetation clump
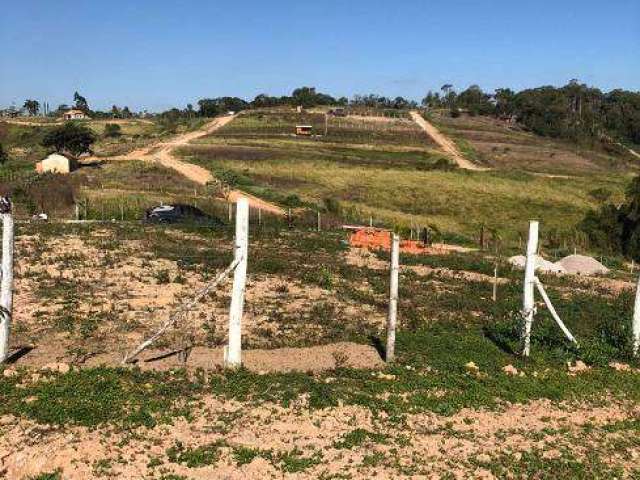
71, 138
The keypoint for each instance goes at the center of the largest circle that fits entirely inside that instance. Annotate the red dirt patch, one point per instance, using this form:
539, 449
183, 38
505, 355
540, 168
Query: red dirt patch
380, 239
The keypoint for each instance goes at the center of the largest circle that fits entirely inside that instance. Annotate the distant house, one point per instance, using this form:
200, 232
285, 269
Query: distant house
10, 112
304, 129
56, 163
74, 114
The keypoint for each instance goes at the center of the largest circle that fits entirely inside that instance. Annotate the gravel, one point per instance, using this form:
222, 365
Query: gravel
582, 265
542, 265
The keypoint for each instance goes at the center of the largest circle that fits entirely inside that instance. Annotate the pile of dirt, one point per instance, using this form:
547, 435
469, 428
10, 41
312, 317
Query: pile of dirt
582, 265
542, 265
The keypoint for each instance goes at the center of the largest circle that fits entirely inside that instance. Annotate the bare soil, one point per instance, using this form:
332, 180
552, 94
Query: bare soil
445, 143
95, 303
426, 446
163, 154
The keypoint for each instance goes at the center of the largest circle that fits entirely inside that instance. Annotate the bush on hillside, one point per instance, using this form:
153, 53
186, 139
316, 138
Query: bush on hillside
71, 138
112, 130
616, 229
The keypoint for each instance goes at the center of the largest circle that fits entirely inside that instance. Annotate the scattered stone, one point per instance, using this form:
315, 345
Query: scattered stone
620, 367
9, 372
59, 367
472, 367
384, 376
7, 420
578, 367
510, 370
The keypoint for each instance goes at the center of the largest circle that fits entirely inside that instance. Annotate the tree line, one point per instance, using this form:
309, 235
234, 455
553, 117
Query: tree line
575, 111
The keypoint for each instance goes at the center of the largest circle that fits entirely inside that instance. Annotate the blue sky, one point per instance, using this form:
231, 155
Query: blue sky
156, 54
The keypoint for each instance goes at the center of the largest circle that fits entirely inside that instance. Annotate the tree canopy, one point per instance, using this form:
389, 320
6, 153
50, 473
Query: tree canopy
575, 111
32, 106
71, 138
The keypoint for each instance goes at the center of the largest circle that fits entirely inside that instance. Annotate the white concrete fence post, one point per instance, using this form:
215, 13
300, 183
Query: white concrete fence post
233, 356
636, 321
393, 299
6, 284
528, 302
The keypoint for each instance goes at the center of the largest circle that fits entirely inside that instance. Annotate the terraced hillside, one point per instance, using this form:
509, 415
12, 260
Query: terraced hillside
501, 145
390, 170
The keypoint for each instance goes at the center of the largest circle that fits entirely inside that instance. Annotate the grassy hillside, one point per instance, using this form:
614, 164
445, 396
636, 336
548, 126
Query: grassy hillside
500, 145
389, 169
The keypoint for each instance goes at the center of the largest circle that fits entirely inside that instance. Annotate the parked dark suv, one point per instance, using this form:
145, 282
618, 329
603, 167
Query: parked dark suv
179, 213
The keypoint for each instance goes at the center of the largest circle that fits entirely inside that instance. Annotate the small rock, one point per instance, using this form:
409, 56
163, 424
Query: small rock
578, 367
510, 370
620, 367
483, 458
472, 367
9, 372
7, 420
59, 367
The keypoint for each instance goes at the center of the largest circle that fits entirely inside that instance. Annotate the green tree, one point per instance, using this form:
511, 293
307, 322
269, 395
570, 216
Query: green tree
208, 107
475, 101
71, 138
80, 102
32, 106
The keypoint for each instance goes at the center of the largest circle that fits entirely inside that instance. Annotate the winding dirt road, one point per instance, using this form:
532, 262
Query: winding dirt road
162, 153
444, 143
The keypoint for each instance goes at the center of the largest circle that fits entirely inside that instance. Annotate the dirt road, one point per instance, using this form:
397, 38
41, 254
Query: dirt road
162, 153
444, 143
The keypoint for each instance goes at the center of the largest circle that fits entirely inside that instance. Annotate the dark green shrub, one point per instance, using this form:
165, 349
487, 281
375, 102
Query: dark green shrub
71, 138
112, 130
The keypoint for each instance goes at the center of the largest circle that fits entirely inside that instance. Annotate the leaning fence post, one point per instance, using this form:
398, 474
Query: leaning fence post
393, 298
528, 305
233, 353
636, 321
495, 283
6, 285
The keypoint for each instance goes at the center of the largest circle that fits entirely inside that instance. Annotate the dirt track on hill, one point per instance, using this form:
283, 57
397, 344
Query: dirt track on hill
445, 144
162, 153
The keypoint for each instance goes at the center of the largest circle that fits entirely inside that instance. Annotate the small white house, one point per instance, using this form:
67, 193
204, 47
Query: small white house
74, 114
56, 163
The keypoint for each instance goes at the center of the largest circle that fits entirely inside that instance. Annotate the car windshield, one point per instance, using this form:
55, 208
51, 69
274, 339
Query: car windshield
163, 209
